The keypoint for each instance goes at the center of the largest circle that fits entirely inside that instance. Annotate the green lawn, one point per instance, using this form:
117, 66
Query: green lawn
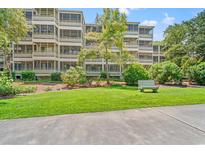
96, 99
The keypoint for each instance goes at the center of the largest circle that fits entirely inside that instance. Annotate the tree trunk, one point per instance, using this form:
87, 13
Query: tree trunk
107, 71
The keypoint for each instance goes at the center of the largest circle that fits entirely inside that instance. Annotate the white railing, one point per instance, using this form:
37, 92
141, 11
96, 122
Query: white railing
94, 60
69, 23
71, 39
146, 48
43, 18
145, 60
23, 55
131, 33
44, 36
44, 70
146, 35
68, 56
45, 54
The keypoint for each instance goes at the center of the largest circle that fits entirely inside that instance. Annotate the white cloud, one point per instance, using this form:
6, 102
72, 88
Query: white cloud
168, 20
124, 10
149, 22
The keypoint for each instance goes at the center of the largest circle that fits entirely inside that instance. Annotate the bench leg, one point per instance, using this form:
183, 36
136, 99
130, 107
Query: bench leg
141, 90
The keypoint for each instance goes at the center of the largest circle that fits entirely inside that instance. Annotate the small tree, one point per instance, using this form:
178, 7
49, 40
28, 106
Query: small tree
165, 72
135, 72
73, 76
13, 27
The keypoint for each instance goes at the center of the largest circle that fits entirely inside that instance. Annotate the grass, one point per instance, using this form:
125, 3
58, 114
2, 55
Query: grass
95, 100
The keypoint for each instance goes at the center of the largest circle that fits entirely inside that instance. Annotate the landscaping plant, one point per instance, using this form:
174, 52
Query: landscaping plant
73, 76
165, 72
197, 73
28, 76
56, 76
135, 72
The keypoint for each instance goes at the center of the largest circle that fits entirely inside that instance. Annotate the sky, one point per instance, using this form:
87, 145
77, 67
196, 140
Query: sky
160, 17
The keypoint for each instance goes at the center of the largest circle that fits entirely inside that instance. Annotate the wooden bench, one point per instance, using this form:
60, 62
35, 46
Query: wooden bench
147, 84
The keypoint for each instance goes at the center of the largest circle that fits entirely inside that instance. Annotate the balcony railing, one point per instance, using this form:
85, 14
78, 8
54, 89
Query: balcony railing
128, 45
94, 60
69, 23
26, 39
45, 54
44, 36
71, 39
131, 33
43, 18
146, 61
146, 48
23, 55
44, 71
146, 35
68, 56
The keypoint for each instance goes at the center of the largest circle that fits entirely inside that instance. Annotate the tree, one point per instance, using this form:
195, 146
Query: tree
13, 27
196, 35
174, 43
112, 25
120, 26
186, 40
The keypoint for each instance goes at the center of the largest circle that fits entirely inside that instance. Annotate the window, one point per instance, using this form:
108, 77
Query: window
70, 50
94, 68
114, 68
44, 29
28, 15
70, 33
132, 27
70, 17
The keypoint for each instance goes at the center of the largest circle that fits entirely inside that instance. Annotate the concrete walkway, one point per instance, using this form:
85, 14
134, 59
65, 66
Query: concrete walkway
164, 125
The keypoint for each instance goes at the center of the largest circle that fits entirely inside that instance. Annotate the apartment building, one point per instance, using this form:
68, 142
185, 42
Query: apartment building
138, 41
57, 36
158, 55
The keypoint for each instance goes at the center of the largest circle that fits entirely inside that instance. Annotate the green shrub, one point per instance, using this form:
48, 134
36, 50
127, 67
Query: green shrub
197, 73
28, 75
56, 76
75, 75
6, 87
103, 75
13, 75
165, 72
135, 72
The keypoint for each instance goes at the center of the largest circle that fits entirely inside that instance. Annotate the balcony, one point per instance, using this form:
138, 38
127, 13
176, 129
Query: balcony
131, 34
44, 71
69, 23
44, 36
146, 48
22, 55
68, 56
130, 45
71, 39
44, 54
43, 18
146, 61
146, 36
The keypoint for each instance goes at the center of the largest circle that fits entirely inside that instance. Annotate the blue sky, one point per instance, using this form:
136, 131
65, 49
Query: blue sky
160, 17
